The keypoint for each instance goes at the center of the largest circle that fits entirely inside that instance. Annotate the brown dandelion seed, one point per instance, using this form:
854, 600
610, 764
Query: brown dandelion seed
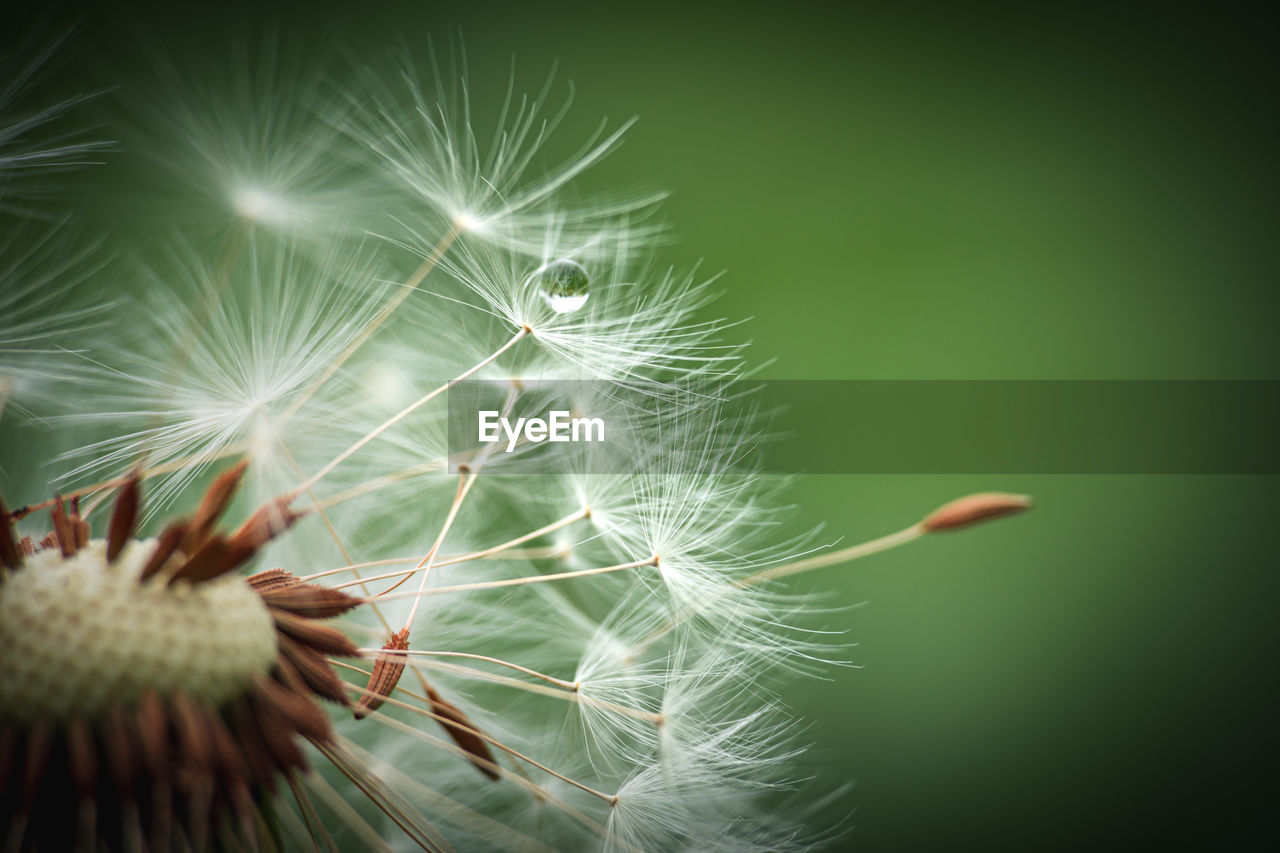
165, 549
214, 504
64, 529
387, 669
464, 734
310, 600
11, 550
974, 509
124, 518
271, 579
312, 669
309, 632
266, 523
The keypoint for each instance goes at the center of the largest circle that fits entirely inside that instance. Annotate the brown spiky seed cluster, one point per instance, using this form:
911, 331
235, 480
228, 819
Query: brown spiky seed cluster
151, 762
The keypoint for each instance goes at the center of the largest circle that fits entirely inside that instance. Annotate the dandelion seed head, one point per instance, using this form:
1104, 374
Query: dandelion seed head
83, 633
576, 657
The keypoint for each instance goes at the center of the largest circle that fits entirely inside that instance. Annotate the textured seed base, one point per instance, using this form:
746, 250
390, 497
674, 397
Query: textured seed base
79, 635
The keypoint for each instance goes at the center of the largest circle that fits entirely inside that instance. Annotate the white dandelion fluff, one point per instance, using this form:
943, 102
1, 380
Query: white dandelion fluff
610, 317
419, 126
217, 358
448, 647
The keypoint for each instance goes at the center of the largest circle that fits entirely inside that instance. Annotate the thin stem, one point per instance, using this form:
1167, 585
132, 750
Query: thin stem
519, 540
470, 474
462, 558
500, 835
404, 413
345, 812
381, 482
540, 553
333, 531
146, 473
541, 794
530, 579
515, 683
550, 679
845, 555
417, 827
464, 487
315, 827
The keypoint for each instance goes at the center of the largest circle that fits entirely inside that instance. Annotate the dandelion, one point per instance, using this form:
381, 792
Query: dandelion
358, 637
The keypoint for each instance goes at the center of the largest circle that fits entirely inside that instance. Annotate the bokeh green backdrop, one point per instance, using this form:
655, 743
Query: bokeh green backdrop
933, 192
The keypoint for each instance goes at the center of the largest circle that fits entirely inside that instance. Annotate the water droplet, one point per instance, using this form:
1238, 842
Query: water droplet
563, 285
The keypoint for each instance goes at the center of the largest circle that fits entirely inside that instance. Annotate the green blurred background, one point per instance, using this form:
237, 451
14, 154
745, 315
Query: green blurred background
926, 191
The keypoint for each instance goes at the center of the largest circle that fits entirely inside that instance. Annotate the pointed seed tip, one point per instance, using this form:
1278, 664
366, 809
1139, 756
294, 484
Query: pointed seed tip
387, 670
124, 517
974, 509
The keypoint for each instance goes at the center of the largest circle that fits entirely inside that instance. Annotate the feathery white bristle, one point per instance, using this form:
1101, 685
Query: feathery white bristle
420, 128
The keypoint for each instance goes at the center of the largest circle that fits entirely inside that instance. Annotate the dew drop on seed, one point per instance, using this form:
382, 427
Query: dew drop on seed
563, 285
